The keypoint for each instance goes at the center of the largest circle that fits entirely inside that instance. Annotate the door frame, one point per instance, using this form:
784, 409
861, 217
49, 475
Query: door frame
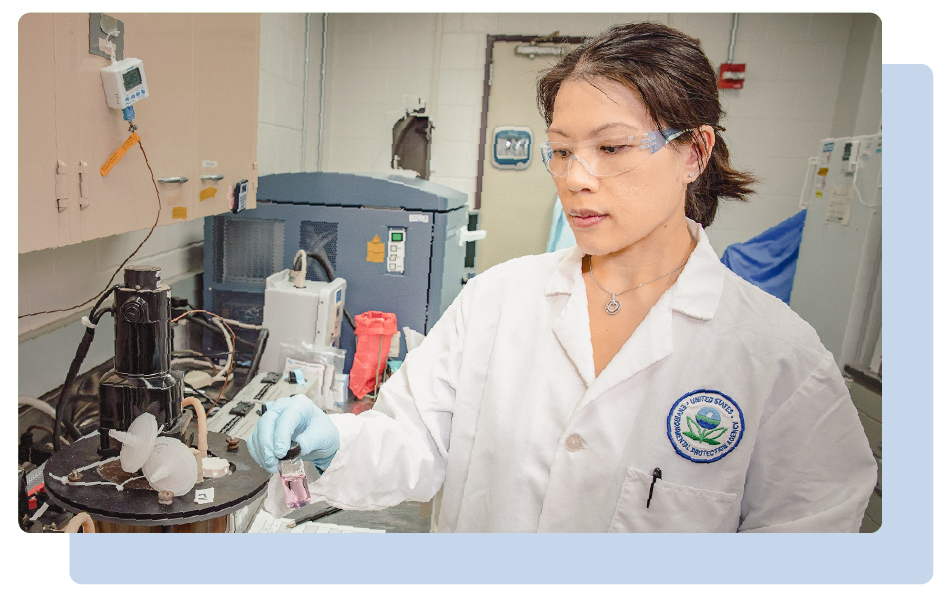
489, 47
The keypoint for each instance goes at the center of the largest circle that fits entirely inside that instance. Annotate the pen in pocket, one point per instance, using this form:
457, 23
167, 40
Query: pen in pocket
656, 475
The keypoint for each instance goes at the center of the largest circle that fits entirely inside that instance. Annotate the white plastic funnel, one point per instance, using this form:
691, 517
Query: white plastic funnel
171, 467
137, 442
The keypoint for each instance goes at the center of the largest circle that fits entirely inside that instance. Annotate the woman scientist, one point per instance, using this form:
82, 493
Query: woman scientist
629, 383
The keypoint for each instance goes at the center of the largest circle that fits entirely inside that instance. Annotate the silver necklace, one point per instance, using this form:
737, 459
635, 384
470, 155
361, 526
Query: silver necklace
614, 305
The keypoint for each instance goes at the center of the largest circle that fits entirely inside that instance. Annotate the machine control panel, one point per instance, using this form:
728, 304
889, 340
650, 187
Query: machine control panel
396, 250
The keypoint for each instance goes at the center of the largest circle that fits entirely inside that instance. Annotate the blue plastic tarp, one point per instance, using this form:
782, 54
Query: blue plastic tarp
768, 260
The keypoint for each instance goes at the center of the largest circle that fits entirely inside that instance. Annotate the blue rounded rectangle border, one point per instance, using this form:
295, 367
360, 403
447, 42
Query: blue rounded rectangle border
900, 552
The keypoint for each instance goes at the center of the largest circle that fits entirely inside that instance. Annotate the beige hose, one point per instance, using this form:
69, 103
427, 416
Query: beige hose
202, 424
82, 519
202, 451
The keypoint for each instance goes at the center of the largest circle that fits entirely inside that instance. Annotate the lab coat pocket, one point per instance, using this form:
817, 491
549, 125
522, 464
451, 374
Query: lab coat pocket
673, 508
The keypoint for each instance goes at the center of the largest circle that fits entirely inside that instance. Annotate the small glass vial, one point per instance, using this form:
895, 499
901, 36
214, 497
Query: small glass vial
291, 468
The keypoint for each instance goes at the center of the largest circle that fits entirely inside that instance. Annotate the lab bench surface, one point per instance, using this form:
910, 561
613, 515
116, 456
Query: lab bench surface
408, 517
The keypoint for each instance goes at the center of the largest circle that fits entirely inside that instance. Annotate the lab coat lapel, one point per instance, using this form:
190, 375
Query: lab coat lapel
571, 325
697, 291
696, 294
651, 342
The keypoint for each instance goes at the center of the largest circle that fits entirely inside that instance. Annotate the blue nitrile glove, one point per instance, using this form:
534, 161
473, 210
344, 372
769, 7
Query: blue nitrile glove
294, 418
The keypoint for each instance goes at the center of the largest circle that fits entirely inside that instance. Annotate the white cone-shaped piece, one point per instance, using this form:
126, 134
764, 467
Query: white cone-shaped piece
137, 442
171, 467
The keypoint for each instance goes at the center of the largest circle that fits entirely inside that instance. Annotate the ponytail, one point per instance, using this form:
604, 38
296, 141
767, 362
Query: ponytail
717, 181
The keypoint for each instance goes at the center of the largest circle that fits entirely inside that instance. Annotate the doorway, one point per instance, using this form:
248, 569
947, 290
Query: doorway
515, 204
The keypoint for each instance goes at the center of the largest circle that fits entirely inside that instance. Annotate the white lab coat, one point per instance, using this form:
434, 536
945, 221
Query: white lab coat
500, 403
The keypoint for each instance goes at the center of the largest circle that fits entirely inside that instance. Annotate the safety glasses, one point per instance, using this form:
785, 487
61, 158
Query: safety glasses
608, 156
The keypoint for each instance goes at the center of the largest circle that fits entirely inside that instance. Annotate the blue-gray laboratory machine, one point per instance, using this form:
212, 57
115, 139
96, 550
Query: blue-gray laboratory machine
398, 242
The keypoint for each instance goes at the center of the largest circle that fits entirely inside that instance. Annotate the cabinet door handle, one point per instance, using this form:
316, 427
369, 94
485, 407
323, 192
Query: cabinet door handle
62, 195
212, 176
83, 186
174, 179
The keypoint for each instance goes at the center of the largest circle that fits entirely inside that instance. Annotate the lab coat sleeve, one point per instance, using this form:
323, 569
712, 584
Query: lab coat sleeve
812, 469
397, 451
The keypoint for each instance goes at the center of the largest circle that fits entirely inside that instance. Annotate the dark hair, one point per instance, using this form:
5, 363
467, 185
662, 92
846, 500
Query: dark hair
677, 84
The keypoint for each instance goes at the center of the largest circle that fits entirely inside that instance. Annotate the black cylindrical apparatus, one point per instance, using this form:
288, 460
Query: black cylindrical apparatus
143, 311
142, 380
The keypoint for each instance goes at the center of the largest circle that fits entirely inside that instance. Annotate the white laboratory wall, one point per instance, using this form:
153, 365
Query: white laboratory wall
281, 93
862, 79
869, 111
794, 66
289, 92
788, 103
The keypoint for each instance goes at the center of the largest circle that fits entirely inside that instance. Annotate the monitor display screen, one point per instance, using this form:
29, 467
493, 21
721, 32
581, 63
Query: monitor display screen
132, 78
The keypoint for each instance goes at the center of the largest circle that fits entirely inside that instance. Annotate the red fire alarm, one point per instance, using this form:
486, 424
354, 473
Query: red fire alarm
731, 76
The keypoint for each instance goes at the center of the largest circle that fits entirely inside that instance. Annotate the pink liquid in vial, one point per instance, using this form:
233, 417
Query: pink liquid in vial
296, 492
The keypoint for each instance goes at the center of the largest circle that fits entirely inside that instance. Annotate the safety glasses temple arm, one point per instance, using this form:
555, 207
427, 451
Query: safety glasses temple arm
655, 140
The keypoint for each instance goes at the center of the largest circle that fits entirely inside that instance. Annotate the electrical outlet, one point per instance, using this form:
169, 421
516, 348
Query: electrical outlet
100, 25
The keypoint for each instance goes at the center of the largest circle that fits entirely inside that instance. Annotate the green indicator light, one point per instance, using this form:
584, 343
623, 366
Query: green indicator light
396, 236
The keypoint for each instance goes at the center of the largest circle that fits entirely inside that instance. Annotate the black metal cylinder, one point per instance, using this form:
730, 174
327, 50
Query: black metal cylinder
123, 398
143, 311
142, 380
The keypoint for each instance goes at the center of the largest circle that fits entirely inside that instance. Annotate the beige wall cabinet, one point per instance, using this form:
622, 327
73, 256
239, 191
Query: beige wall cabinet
199, 123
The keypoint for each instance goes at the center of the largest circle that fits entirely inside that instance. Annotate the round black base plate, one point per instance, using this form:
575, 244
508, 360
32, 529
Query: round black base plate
139, 506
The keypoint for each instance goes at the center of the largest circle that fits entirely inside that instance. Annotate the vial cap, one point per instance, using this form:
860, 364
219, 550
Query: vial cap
292, 452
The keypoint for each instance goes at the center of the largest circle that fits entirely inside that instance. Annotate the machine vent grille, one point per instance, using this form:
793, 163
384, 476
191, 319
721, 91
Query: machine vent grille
248, 250
321, 238
242, 306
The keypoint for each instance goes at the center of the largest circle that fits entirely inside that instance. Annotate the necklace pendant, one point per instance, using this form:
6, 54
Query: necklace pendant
613, 305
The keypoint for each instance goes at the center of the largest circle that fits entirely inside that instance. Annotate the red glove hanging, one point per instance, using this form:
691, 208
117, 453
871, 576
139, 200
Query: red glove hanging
374, 330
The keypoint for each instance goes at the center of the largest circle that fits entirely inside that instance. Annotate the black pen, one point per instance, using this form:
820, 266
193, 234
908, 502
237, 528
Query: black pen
313, 517
655, 476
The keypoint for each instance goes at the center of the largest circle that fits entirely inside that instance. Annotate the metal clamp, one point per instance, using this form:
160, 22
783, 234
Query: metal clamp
174, 179
212, 176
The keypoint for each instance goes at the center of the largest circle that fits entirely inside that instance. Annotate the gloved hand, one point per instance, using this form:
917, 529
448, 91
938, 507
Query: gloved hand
294, 418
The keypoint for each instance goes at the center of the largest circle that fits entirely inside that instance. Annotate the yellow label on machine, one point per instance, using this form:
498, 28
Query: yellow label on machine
179, 212
207, 193
376, 251
117, 154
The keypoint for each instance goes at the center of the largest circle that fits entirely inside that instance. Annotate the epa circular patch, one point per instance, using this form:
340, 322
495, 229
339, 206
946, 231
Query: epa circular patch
705, 425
